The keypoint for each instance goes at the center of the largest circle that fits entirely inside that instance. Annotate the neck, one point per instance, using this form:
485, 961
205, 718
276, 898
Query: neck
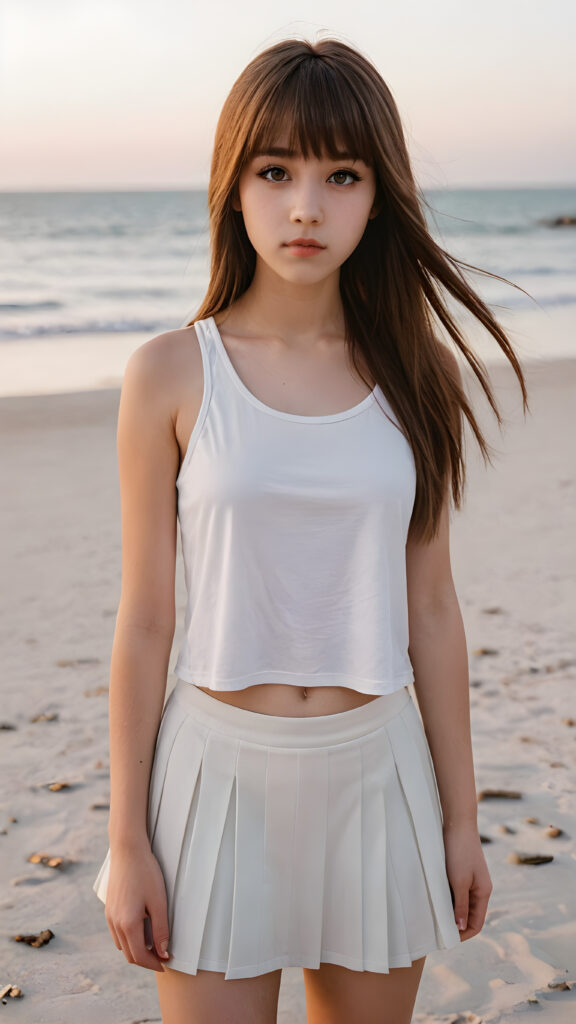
291, 311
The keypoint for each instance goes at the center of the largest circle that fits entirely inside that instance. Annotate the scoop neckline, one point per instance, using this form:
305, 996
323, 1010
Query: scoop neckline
239, 383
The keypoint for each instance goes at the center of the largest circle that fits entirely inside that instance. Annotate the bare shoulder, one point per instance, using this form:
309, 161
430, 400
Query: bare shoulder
166, 358
164, 385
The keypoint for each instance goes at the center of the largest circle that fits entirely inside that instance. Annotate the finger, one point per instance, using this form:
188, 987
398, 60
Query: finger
114, 934
157, 931
148, 936
476, 918
461, 905
124, 945
478, 908
139, 954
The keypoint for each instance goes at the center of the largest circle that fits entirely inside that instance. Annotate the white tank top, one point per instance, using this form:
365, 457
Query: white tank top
293, 533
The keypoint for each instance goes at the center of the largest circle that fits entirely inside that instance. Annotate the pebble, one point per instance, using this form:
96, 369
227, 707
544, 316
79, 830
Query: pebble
10, 990
529, 858
36, 940
510, 794
46, 858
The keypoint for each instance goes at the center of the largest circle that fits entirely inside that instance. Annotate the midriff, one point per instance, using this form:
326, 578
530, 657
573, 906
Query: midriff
292, 701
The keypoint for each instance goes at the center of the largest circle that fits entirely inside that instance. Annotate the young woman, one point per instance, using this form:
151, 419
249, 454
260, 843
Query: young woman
289, 805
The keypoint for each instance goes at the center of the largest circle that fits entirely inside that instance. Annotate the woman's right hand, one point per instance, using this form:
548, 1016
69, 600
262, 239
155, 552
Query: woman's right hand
136, 891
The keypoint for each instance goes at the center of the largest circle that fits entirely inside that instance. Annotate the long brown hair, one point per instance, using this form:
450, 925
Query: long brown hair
325, 95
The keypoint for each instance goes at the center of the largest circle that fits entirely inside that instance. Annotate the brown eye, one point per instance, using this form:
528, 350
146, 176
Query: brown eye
269, 170
347, 174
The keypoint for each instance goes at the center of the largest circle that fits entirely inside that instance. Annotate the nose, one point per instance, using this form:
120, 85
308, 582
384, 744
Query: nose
306, 207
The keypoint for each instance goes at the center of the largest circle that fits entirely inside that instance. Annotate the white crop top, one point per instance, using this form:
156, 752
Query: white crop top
293, 533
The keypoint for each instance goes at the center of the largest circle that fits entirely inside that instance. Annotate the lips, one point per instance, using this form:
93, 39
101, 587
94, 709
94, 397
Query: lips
306, 242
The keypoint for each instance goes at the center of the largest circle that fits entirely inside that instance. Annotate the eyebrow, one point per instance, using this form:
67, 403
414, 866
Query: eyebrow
291, 153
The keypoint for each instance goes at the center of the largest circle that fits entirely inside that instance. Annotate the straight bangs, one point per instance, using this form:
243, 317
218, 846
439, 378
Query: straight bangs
314, 111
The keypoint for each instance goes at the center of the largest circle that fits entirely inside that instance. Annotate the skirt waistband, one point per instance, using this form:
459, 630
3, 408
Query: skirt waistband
286, 730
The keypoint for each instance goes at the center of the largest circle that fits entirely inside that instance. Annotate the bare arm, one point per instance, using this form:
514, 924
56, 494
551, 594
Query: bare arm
438, 653
148, 459
439, 657
440, 660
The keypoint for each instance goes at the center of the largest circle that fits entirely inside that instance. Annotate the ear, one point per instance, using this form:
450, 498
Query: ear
236, 204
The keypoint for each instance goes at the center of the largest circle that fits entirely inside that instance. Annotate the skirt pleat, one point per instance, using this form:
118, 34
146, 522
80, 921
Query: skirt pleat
170, 724
293, 842
175, 803
377, 768
248, 845
406, 733
342, 898
309, 857
201, 842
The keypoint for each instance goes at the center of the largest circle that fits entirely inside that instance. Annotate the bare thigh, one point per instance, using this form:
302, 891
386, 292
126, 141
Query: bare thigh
208, 998
337, 995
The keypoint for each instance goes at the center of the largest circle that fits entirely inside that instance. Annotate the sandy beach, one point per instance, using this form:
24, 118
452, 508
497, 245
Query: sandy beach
513, 558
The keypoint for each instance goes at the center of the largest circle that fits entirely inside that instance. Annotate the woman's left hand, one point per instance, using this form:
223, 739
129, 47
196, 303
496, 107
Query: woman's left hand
468, 876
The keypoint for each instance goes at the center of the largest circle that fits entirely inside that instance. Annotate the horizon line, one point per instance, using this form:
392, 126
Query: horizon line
96, 189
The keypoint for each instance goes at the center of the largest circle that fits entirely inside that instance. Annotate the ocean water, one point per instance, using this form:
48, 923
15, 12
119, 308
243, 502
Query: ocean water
82, 265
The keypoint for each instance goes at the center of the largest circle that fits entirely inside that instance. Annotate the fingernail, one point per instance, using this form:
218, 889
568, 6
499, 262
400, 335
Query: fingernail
163, 947
461, 924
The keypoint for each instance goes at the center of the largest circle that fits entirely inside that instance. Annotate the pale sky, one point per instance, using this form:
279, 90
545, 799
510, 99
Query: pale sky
126, 93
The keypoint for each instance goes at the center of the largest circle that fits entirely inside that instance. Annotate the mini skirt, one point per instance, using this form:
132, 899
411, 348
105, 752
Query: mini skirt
295, 841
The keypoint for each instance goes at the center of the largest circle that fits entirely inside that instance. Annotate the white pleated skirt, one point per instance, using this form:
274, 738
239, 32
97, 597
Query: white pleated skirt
291, 842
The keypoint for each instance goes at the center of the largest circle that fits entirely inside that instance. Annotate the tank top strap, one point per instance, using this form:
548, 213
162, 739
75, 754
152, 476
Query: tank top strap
219, 397
209, 370
217, 380
208, 358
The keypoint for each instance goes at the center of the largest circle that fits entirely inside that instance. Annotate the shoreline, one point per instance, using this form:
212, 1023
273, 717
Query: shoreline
59, 364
